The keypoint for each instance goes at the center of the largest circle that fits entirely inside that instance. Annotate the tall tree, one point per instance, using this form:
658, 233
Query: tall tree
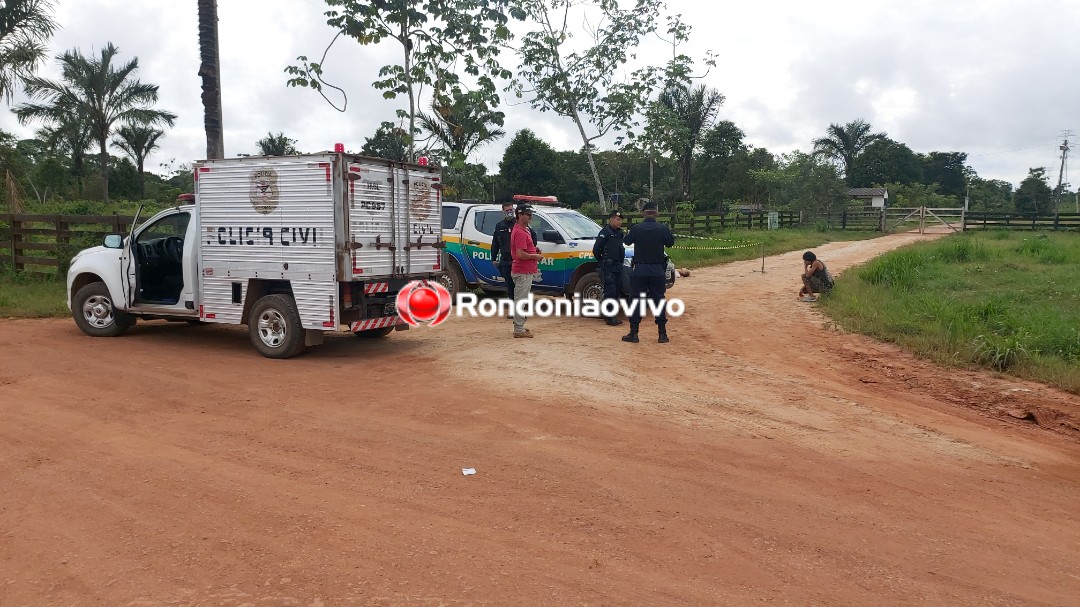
947, 170
25, 27
886, 161
585, 85
71, 138
528, 165
434, 36
1034, 194
138, 142
276, 145
845, 143
210, 72
802, 182
387, 142
100, 93
694, 110
461, 125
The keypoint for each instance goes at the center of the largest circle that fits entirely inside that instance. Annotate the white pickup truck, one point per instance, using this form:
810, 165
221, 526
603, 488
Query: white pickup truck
291, 246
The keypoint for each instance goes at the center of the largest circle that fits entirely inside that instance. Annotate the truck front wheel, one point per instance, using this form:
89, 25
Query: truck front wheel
94, 313
274, 327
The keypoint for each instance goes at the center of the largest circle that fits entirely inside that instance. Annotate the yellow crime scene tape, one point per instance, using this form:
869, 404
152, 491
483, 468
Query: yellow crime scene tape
745, 244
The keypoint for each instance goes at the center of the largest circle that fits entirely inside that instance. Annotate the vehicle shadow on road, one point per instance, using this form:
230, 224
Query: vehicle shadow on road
221, 338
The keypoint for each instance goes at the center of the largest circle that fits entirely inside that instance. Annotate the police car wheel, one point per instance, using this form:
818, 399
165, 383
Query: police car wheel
452, 279
590, 286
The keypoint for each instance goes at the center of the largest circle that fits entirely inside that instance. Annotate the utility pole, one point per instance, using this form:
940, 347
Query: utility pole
1064, 147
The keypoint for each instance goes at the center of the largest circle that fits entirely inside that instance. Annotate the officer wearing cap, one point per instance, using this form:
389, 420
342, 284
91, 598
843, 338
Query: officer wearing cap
609, 253
648, 268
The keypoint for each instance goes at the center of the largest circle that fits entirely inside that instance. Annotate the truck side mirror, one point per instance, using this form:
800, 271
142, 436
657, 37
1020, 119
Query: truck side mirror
553, 236
113, 241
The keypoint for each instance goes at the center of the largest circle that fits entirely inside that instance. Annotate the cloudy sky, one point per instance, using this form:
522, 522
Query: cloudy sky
998, 79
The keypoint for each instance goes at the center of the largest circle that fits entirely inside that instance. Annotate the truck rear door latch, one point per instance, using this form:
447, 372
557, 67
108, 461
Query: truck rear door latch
379, 244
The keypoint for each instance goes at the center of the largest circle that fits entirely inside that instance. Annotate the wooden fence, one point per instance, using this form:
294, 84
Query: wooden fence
977, 220
44, 244
700, 224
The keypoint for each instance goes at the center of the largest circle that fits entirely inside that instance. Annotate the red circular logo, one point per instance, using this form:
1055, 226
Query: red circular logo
423, 301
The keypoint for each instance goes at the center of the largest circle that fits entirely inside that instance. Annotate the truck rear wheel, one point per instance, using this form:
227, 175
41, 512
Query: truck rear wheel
94, 313
275, 328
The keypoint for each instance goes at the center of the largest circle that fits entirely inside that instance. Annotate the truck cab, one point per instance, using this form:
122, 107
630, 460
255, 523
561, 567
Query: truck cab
153, 278
565, 237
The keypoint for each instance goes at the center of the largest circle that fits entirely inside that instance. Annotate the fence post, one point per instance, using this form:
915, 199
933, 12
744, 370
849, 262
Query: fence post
16, 240
1056, 217
843, 219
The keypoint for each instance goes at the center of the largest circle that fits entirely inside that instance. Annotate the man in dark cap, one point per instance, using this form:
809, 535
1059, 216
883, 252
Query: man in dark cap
609, 254
501, 253
525, 268
648, 267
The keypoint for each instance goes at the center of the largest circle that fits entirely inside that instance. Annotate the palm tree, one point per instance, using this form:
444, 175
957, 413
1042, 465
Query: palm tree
210, 70
276, 145
137, 142
72, 138
93, 89
25, 26
694, 109
845, 143
460, 126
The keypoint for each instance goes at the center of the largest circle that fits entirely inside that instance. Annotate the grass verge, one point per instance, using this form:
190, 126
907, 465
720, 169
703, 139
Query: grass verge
1006, 301
24, 296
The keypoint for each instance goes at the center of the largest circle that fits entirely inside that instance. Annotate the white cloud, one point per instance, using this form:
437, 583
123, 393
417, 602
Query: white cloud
994, 79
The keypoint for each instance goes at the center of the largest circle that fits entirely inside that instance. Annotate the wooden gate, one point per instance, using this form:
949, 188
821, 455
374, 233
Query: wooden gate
924, 219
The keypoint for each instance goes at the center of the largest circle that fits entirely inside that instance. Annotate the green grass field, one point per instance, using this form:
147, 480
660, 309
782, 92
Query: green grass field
1008, 301
22, 296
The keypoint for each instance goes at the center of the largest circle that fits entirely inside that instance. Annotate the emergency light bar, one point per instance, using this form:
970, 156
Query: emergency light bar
551, 200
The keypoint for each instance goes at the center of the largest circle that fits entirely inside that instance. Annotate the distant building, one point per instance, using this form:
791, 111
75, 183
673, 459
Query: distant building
872, 197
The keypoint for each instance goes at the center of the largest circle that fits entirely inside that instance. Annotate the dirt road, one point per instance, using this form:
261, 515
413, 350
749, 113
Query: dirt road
760, 457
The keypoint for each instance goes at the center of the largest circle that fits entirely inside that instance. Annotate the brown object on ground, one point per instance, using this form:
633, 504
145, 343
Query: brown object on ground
684, 272
760, 457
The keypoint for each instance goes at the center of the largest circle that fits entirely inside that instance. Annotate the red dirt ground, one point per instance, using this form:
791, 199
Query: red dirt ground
760, 457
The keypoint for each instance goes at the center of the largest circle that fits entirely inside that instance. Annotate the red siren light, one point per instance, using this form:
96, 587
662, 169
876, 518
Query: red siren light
422, 161
339, 148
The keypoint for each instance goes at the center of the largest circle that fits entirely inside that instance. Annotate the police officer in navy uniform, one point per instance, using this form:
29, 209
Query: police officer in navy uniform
500, 243
648, 269
609, 253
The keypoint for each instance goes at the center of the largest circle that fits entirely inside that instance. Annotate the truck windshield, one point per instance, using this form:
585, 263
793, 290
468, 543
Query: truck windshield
576, 225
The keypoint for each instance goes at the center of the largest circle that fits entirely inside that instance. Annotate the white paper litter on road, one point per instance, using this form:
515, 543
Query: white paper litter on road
468, 471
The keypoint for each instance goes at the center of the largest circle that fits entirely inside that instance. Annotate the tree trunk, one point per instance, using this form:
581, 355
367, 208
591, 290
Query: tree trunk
142, 182
592, 163
210, 71
412, 94
104, 168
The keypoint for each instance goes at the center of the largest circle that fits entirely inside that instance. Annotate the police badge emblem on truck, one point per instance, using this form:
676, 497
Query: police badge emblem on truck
262, 190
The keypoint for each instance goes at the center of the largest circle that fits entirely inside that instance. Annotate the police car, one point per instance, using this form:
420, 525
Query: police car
566, 239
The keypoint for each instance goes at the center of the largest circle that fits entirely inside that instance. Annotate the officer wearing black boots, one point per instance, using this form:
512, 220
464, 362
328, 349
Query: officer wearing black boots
648, 269
609, 253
